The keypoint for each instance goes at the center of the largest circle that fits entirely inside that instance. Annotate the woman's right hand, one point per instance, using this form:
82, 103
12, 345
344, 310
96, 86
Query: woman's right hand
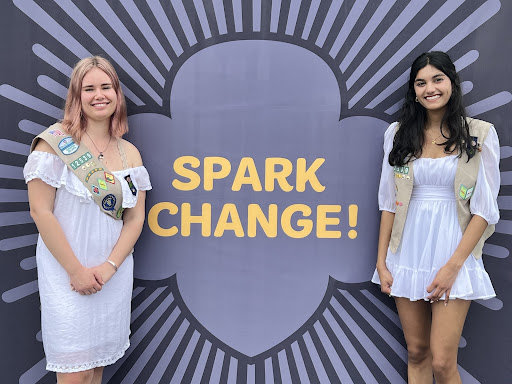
386, 280
84, 281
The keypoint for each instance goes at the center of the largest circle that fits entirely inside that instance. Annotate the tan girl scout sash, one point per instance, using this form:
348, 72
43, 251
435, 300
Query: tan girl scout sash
105, 189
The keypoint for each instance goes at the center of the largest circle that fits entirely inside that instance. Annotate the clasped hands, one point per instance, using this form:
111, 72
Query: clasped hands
87, 281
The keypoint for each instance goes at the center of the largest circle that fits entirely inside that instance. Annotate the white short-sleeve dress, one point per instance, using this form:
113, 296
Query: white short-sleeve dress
432, 231
83, 332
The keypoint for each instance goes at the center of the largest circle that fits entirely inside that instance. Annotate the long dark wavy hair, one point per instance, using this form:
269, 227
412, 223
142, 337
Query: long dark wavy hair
409, 138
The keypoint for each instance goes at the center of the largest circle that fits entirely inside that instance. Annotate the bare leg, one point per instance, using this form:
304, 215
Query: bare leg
415, 317
83, 377
447, 324
98, 373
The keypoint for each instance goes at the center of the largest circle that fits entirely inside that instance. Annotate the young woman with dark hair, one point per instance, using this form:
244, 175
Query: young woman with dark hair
438, 196
89, 219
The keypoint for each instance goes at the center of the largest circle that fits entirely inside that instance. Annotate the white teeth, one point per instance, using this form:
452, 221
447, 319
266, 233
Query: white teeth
432, 97
100, 105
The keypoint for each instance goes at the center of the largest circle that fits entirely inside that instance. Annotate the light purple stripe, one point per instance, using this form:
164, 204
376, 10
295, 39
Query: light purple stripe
334, 9
201, 14
488, 104
11, 172
170, 351
28, 263
15, 218
14, 147
274, 16
52, 86
30, 101
18, 242
283, 367
138, 366
20, 292
256, 15
201, 363
43, 53
177, 378
365, 35
313, 10
217, 367
147, 32
165, 25
31, 127
182, 16
475, 20
34, 374
293, 13
237, 14
218, 7
13, 196
348, 25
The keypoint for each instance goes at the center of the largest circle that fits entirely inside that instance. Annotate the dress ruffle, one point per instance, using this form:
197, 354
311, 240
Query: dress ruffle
472, 282
52, 170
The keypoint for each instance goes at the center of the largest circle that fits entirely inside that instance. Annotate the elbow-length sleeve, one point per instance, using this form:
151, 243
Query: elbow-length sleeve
484, 201
387, 189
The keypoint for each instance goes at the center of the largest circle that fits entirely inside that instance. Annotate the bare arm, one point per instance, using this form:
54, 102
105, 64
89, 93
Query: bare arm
41, 198
386, 225
446, 276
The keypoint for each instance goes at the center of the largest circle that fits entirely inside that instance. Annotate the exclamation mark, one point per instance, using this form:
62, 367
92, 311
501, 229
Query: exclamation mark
352, 220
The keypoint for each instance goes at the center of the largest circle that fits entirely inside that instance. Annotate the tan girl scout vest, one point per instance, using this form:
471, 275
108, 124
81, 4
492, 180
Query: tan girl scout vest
104, 187
465, 180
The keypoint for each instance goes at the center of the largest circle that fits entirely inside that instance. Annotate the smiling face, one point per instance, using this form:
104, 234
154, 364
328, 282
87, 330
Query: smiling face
98, 96
433, 88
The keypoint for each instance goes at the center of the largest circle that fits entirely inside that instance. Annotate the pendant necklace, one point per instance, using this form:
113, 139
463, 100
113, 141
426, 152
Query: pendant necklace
100, 156
434, 140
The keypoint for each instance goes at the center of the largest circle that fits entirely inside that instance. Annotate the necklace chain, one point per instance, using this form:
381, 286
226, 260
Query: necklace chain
100, 156
434, 141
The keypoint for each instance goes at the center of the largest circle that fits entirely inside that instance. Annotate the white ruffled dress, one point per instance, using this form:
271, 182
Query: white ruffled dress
432, 231
83, 332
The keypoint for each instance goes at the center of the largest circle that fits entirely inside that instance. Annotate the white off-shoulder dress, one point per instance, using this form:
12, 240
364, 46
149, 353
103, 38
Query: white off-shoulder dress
432, 231
83, 332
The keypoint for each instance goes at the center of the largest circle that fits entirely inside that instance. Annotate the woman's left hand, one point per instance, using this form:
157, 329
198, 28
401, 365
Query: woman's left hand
442, 283
103, 272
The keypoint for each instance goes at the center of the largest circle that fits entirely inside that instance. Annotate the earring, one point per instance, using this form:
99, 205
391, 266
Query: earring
416, 99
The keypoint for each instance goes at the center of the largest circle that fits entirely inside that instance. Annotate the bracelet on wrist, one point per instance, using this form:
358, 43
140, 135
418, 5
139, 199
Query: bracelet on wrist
112, 264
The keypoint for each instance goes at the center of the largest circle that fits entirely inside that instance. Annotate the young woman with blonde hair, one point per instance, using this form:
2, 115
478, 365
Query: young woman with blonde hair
89, 218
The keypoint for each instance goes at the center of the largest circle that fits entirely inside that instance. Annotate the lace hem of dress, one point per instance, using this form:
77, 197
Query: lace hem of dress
471, 283
87, 366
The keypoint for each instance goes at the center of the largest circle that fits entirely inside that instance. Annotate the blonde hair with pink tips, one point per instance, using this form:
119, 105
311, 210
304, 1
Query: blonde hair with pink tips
74, 121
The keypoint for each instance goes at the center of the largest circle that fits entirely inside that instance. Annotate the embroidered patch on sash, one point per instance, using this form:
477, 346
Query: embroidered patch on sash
56, 132
119, 212
91, 173
95, 190
465, 192
82, 160
128, 179
102, 184
109, 178
67, 146
109, 202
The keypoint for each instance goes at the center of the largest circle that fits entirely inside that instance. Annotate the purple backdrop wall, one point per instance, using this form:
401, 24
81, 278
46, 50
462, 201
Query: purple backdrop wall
249, 112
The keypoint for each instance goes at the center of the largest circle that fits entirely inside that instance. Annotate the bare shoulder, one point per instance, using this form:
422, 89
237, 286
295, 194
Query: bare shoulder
43, 146
132, 154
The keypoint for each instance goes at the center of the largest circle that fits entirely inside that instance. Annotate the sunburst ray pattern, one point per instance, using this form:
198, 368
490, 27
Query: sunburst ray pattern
355, 335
